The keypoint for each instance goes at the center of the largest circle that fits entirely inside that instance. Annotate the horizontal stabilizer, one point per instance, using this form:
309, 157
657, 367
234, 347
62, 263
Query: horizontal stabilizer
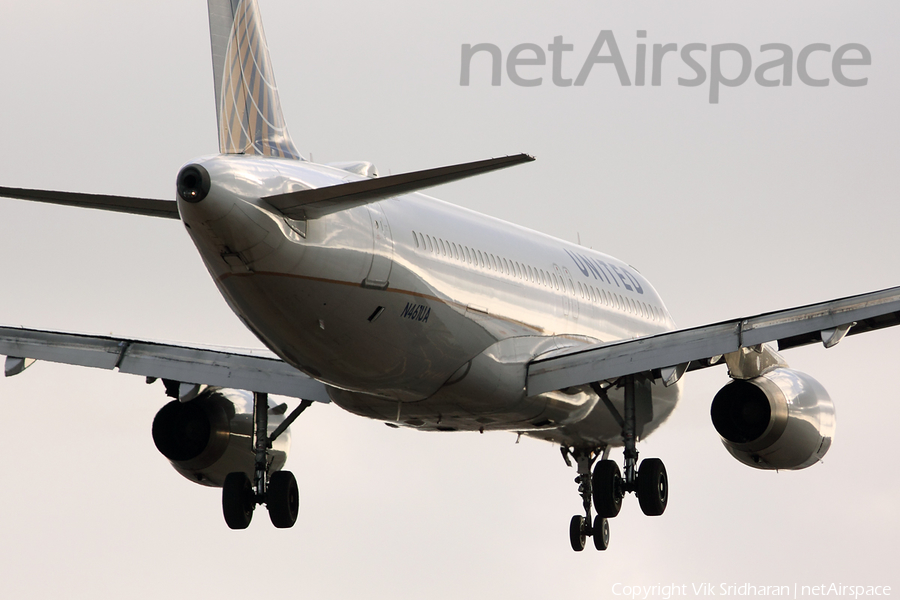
136, 206
357, 193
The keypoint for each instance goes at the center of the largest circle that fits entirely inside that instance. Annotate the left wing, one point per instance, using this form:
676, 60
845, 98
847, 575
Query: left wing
252, 370
668, 355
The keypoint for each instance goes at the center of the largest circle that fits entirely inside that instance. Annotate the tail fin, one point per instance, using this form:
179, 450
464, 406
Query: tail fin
247, 105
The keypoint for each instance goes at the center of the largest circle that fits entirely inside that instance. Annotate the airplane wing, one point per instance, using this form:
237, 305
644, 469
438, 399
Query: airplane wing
668, 355
254, 370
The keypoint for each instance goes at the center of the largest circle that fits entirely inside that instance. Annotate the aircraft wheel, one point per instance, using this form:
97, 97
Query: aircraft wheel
606, 485
576, 533
653, 487
237, 500
283, 499
601, 533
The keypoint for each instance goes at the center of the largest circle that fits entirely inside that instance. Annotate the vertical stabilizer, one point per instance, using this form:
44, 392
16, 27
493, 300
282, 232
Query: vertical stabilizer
247, 105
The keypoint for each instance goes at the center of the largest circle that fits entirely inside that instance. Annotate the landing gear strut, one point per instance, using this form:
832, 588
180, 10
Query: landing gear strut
583, 527
278, 490
606, 487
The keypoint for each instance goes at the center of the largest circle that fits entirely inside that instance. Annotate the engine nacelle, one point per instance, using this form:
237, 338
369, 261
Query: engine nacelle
212, 435
782, 419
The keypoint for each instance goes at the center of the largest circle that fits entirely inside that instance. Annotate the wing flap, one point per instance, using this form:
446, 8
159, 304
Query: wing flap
790, 328
137, 206
242, 369
357, 193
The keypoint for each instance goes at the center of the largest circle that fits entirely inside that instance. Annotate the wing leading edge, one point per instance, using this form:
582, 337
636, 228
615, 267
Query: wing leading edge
242, 369
700, 347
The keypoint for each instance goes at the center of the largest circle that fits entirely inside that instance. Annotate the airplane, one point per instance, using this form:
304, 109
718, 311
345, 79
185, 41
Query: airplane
401, 308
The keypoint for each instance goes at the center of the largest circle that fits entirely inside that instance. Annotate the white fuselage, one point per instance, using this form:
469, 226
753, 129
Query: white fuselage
416, 311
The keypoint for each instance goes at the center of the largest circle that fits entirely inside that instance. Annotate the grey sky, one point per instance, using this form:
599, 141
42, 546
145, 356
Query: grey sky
772, 198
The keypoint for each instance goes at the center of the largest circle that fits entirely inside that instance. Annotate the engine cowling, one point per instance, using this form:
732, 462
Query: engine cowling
212, 435
782, 419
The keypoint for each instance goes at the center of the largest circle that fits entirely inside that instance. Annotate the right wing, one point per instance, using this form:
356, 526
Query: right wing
668, 355
252, 370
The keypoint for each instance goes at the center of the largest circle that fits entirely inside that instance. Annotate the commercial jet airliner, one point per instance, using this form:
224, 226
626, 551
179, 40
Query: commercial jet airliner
398, 307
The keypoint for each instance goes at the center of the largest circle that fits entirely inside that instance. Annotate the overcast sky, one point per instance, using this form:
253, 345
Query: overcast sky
774, 197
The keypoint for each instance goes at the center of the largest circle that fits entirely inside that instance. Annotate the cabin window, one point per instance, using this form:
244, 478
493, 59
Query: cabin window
430, 247
422, 241
555, 282
415, 239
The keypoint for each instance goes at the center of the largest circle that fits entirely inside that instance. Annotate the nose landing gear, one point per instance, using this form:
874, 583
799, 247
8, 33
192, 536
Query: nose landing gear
583, 527
606, 487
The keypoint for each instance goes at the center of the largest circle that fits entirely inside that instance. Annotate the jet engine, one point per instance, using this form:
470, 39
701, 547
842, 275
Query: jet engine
211, 436
782, 419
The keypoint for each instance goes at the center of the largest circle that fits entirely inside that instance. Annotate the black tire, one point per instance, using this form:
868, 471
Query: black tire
653, 487
601, 533
606, 487
576, 533
283, 499
237, 500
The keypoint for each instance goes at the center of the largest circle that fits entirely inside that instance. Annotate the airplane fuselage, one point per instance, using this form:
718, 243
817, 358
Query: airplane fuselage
415, 311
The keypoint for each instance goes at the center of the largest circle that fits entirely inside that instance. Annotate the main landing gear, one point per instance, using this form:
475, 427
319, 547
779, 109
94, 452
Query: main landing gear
606, 487
278, 490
